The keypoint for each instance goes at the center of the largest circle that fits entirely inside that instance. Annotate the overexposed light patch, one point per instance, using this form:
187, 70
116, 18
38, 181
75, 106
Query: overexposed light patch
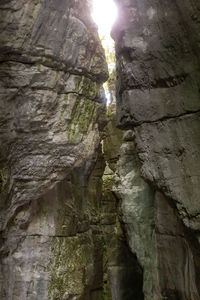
104, 14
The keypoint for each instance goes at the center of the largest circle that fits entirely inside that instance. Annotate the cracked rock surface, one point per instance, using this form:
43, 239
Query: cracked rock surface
158, 96
52, 109
78, 222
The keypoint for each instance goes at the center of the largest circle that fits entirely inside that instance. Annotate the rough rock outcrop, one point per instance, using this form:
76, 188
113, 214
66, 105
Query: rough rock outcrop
52, 109
76, 223
124, 273
158, 96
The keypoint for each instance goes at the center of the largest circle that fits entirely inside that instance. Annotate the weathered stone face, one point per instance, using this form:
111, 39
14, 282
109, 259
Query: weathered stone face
50, 106
171, 162
158, 88
121, 183
59, 34
166, 252
52, 111
158, 80
157, 46
55, 243
62, 236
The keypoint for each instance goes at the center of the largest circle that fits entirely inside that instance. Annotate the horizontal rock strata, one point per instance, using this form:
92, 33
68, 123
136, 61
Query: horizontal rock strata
157, 53
52, 109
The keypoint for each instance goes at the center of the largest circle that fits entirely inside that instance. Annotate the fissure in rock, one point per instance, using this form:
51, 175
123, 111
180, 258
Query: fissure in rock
96, 202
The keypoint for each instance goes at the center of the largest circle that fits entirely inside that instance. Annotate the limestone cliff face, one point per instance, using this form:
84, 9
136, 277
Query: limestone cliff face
158, 96
52, 67
76, 223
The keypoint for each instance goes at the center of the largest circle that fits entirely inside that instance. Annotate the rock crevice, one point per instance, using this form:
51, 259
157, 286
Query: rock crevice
96, 204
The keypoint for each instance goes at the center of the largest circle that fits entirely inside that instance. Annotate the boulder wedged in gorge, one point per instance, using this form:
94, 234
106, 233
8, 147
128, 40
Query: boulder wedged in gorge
158, 96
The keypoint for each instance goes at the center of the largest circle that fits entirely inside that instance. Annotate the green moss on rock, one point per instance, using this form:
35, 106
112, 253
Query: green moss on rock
108, 182
77, 80
38, 67
70, 258
85, 86
107, 292
89, 87
83, 116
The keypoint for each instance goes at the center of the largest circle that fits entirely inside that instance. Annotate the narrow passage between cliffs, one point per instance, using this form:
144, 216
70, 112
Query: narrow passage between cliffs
104, 14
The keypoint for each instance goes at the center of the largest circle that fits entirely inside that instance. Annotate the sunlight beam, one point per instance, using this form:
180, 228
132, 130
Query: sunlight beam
104, 14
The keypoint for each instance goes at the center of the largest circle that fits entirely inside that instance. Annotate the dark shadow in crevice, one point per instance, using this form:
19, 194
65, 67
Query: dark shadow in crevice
127, 276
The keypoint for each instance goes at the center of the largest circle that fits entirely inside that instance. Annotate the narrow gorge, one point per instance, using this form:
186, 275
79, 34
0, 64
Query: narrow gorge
99, 202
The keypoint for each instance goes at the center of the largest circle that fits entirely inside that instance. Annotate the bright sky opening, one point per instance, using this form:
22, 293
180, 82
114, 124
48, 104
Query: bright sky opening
104, 14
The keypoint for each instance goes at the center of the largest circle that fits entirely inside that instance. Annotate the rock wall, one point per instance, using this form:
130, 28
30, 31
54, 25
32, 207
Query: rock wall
76, 223
52, 109
158, 96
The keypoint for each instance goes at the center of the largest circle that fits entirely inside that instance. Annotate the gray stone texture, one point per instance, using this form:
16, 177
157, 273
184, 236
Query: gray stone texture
76, 225
158, 96
123, 270
52, 108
